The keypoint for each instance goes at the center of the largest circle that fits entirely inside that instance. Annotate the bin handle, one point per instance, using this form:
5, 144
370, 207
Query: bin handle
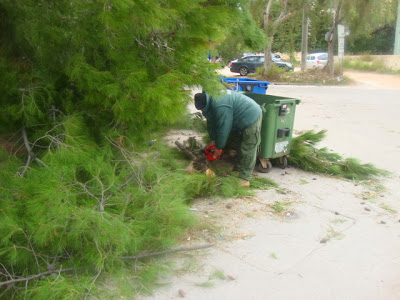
263, 108
263, 85
277, 103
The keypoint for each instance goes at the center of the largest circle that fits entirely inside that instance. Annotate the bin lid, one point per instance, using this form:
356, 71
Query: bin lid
271, 99
243, 80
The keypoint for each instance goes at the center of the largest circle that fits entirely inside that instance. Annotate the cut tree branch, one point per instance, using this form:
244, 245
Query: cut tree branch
167, 252
189, 154
31, 155
35, 276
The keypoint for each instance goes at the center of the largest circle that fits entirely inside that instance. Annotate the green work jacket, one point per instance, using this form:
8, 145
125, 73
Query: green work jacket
232, 111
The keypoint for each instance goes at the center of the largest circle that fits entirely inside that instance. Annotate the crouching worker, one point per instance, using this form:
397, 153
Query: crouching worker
236, 114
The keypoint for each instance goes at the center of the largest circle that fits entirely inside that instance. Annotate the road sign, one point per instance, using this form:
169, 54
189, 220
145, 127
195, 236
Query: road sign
397, 33
341, 35
329, 36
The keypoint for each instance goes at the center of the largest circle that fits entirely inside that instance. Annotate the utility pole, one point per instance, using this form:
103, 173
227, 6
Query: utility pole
397, 33
341, 35
304, 38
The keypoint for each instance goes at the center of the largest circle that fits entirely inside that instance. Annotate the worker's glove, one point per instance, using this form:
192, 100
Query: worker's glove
217, 153
212, 152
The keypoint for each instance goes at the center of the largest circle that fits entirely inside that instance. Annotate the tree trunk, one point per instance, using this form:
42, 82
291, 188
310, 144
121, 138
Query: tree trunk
268, 60
304, 39
331, 39
330, 66
270, 26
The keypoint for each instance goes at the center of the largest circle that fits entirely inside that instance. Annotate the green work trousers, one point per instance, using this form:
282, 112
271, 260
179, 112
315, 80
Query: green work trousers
246, 144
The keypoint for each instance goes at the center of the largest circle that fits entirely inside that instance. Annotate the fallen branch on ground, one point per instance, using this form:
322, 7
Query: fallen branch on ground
40, 275
305, 155
195, 154
35, 276
188, 153
167, 252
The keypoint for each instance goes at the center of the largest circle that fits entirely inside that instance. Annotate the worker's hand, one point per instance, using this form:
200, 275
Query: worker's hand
217, 152
212, 143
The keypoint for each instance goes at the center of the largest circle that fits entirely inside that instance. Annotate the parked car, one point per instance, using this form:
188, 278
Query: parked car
247, 54
249, 64
275, 56
317, 60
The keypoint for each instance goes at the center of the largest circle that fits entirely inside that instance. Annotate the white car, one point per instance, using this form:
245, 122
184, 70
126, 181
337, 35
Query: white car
317, 60
275, 57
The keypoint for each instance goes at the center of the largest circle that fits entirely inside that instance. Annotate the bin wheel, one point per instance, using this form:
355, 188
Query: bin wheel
284, 161
261, 169
243, 71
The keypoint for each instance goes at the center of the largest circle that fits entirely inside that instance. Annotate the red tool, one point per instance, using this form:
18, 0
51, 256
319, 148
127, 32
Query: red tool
209, 153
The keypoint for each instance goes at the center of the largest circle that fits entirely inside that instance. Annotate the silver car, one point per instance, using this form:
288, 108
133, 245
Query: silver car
317, 60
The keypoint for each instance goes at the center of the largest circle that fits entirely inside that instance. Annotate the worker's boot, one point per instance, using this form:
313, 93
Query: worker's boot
244, 183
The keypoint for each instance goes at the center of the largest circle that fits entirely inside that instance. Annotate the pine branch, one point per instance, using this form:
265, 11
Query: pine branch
167, 252
6, 274
136, 175
188, 153
91, 285
102, 196
305, 155
127, 156
31, 155
5, 291
33, 251
40, 275
53, 111
54, 139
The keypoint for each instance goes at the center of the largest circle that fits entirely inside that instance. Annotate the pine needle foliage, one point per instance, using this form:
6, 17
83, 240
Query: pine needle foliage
124, 63
92, 205
245, 35
305, 155
194, 121
85, 84
262, 183
82, 212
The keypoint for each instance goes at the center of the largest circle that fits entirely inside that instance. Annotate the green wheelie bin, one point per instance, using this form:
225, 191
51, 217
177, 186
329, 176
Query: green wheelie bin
276, 129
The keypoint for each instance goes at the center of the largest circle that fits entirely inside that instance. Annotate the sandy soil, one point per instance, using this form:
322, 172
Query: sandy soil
358, 78
333, 239
373, 79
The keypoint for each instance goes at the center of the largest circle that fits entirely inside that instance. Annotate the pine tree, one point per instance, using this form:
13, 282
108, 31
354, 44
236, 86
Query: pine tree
244, 36
122, 62
83, 83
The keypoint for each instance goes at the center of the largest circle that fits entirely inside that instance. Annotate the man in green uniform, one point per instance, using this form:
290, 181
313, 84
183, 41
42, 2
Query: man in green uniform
235, 113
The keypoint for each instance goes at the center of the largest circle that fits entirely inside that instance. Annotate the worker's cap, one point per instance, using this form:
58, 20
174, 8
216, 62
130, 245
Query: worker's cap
200, 101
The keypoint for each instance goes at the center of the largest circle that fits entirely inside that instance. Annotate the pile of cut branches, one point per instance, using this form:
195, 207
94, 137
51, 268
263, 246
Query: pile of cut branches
67, 220
305, 155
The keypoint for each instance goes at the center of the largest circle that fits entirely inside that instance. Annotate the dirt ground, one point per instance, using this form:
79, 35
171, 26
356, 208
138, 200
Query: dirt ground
358, 78
314, 236
373, 79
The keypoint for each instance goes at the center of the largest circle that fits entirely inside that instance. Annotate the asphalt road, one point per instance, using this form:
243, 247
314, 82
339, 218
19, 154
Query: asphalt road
343, 241
361, 121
